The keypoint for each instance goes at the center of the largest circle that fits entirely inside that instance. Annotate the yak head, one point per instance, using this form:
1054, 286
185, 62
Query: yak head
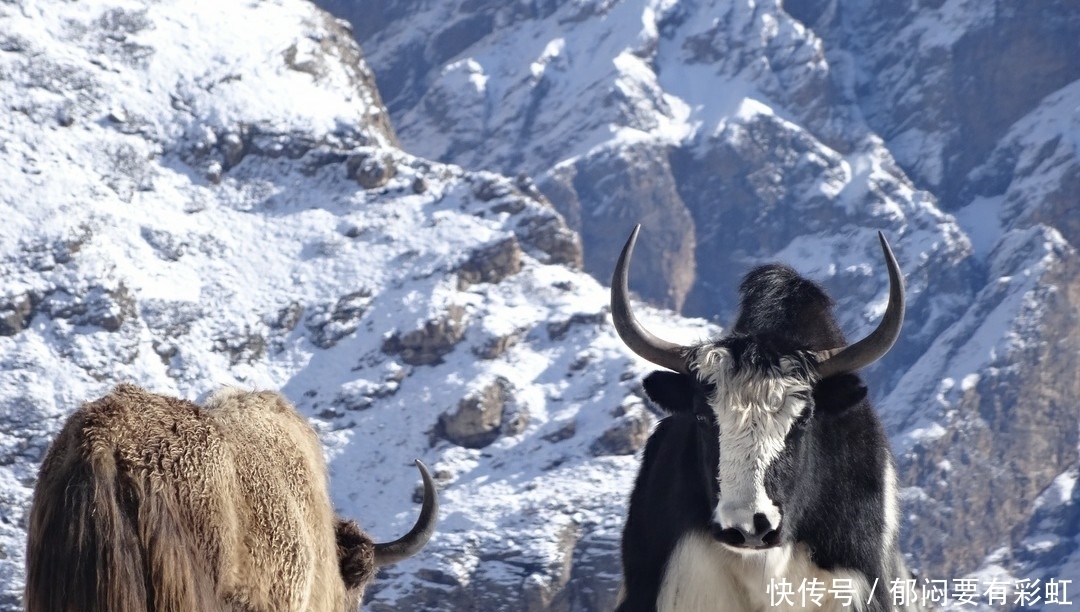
754, 392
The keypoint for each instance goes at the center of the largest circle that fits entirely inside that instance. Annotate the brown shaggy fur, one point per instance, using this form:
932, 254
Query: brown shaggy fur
148, 503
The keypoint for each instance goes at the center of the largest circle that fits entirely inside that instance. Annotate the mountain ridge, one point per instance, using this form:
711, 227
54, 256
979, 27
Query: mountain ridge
414, 308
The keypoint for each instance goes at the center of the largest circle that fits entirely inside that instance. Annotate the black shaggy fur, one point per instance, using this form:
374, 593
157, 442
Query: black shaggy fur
829, 480
356, 554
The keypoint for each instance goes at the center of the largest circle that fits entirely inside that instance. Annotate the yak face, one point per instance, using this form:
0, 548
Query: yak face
755, 392
751, 405
752, 408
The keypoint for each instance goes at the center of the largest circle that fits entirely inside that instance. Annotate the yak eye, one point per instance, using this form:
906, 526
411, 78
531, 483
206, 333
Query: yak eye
703, 419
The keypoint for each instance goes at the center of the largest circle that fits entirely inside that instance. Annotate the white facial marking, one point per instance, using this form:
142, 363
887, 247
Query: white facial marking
754, 411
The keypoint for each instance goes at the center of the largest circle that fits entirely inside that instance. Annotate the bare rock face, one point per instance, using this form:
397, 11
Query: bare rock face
543, 232
330, 323
107, 308
337, 50
496, 345
371, 169
480, 418
942, 95
15, 314
1011, 427
491, 264
550, 235
581, 573
246, 346
621, 188
1034, 171
427, 345
627, 435
557, 330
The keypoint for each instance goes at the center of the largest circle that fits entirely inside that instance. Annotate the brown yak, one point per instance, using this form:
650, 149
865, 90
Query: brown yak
154, 504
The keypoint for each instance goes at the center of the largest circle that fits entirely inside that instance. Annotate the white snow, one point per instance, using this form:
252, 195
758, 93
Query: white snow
982, 222
119, 201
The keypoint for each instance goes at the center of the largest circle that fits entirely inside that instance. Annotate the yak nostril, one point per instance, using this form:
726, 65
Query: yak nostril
761, 524
733, 537
772, 538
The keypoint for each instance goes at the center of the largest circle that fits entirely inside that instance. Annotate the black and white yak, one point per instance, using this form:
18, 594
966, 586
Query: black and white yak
771, 480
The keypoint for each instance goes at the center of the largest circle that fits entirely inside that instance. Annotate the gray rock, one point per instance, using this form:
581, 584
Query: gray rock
371, 169
604, 195
550, 235
565, 432
943, 103
490, 264
481, 417
557, 330
1007, 435
626, 435
427, 345
96, 306
329, 324
244, 346
286, 318
15, 314
496, 346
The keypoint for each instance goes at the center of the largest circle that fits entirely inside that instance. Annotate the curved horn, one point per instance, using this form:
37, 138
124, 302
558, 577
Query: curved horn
411, 543
637, 338
878, 342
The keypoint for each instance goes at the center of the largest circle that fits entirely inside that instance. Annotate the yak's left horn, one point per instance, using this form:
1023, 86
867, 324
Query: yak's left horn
638, 339
412, 542
878, 342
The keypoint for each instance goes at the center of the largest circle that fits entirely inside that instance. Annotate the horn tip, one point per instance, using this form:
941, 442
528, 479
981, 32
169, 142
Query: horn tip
619, 276
885, 247
423, 469
633, 235
884, 241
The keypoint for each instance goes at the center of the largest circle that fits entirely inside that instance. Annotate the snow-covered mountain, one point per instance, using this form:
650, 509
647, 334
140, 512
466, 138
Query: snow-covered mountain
189, 203
203, 193
752, 131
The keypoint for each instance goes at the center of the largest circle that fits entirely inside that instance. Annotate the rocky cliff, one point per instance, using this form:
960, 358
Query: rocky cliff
750, 131
189, 204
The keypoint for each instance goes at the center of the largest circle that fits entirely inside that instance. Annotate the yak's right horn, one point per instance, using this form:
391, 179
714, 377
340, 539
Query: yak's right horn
638, 339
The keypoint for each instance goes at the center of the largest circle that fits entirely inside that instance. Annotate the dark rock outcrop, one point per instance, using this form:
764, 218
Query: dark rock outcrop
428, 345
490, 264
480, 418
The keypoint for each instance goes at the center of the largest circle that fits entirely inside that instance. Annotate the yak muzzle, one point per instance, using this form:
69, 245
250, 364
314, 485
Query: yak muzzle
761, 537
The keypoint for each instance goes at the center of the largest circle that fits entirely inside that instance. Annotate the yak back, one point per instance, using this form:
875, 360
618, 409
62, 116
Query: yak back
150, 503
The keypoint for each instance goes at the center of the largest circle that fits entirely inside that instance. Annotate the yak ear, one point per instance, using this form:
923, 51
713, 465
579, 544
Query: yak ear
838, 393
671, 391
